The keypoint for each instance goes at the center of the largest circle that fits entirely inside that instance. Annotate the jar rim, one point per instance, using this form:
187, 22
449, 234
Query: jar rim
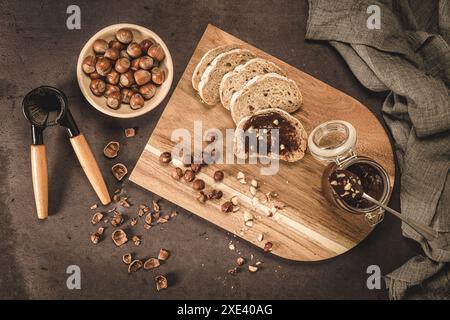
333, 149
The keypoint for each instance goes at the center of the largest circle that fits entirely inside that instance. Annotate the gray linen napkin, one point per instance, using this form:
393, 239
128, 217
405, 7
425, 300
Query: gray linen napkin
409, 56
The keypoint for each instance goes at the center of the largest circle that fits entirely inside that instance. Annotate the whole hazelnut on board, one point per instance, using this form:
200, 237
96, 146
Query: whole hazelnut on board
126, 95
142, 77
100, 46
136, 101
165, 157
113, 77
97, 87
125, 36
189, 175
177, 173
145, 44
122, 65
110, 89
145, 62
112, 54
103, 66
116, 45
218, 175
113, 100
147, 90
88, 65
198, 184
134, 50
158, 75
95, 75
127, 79
134, 65
156, 52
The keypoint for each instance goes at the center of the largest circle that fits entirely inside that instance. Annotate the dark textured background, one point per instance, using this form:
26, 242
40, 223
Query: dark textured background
36, 48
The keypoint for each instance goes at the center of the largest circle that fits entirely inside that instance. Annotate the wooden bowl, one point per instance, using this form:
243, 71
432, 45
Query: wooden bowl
99, 103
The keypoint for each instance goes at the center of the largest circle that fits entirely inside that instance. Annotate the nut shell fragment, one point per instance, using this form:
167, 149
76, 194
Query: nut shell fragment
119, 170
134, 266
161, 283
119, 237
127, 258
163, 254
151, 264
112, 149
97, 217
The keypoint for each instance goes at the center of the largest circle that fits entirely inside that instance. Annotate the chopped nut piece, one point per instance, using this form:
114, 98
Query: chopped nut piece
133, 222
260, 237
161, 220
130, 132
161, 283
268, 246
100, 230
134, 266
253, 190
117, 219
231, 247
97, 217
125, 203
155, 206
233, 271
147, 226
236, 208
127, 258
240, 261
235, 200
143, 209
247, 217
227, 207
163, 254
254, 183
94, 206
148, 219
111, 150
136, 240
119, 237
253, 269
151, 264
240, 175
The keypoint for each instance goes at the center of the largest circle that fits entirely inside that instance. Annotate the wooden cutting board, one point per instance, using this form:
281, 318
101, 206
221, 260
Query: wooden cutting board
309, 229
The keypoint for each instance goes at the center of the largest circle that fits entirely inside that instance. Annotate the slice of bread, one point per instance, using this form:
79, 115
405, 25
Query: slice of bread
255, 135
208, 88
265, 92
207, 58
235, 80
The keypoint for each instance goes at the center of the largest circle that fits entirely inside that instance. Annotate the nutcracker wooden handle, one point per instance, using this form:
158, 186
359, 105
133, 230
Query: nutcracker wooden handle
90, 167
40, 179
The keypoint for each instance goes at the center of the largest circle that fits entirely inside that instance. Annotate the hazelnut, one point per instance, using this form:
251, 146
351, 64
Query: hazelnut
122, 65
215, 194
113, 77
145, 62
103, 66
125, 36
112, 54
147, 90
127, 79
189, 175
100, 46
145, 44
134, 50
156, 52
218, 175
227, 206
97, 87
134, 64
110, 89
158, 75
177, 173
198, 184
116, 45
196, 167
113, 100
95, 75
126, 95
136, 101
88, 65
142, 77
202, 197
165, 157
123, 54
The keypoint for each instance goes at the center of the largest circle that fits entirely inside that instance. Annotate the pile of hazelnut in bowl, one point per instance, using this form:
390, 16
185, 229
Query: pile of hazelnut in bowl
123, 70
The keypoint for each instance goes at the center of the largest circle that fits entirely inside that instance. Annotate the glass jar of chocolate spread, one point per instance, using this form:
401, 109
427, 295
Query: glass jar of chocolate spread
334, 142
